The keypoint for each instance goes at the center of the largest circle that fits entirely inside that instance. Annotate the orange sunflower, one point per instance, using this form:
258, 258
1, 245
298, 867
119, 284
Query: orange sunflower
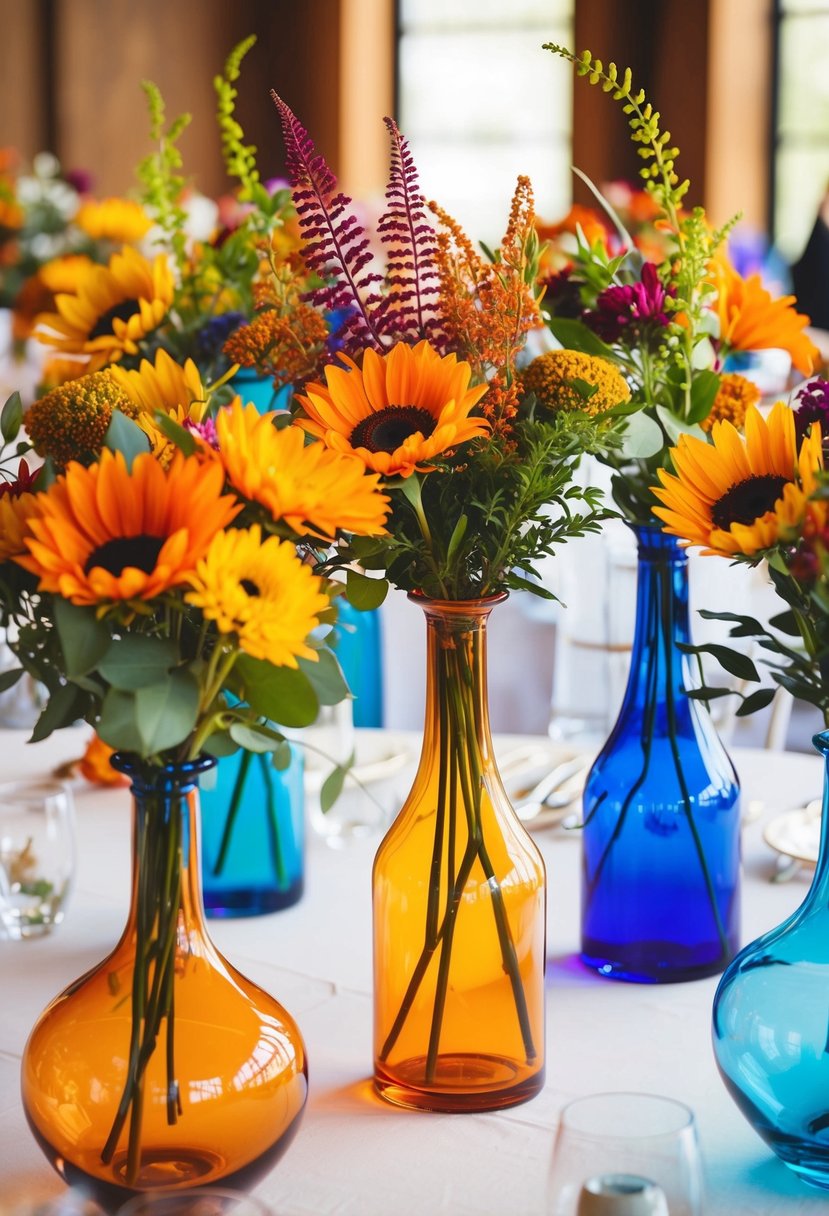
314, 490
113, 307
737, 495
106, 533
397, 411
751, 320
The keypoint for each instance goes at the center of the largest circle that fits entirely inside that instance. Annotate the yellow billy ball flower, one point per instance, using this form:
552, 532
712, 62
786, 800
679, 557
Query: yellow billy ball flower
557, 378
261, 593
70, 421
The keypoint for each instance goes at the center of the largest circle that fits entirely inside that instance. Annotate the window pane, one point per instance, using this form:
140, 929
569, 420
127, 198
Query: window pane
804, 81
802, 175
473, 14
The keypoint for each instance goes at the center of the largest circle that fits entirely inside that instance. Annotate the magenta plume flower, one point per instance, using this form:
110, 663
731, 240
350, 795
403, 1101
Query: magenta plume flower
633, 310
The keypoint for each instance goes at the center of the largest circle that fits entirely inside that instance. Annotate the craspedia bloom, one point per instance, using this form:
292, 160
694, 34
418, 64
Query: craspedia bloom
314, 490
70, 421
396, 412
563, 380
106, 534
737, 495
734, 398
113, 308
120, 220
261, 593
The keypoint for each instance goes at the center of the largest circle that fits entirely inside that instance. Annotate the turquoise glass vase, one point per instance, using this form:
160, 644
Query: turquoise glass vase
771, 1025
358, 646
661, 834
253, 836
252, 387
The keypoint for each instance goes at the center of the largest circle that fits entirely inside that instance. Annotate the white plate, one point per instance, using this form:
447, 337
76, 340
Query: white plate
371, 765
797, 833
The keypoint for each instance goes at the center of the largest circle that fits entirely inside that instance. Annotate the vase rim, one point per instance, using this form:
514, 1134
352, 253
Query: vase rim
133, 764
820, 741
478, 602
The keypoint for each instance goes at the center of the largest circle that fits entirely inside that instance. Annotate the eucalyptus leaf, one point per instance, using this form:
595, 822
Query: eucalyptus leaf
283, 694
365, 593
11, 417
333, 784
703, 391
116, 725
165, 713
83, 638
642, 437
125, 436
674, 427
137, 661
176, 433
282, 756
220, 744
61, 710
251, 739
326, 678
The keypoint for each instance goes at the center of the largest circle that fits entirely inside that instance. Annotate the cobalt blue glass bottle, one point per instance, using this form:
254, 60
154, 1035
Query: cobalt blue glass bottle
358, 648
661, 848
253, 836
771, 1025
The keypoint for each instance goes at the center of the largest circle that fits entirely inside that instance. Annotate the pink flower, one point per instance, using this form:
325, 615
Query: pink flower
633, 309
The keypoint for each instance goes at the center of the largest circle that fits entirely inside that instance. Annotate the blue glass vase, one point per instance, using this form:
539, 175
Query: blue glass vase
771, 1026
358, 648
259, 390
253, 836
661, 835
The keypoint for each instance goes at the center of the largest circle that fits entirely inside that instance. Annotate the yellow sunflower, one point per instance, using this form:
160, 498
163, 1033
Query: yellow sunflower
314, 490
397, 411
15, 512
737, 495
167, 386
104, 534
71, 421
261, 593
113, 307
120, 220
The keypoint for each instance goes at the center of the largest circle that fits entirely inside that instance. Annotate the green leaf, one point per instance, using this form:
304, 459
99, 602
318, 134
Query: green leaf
125, 436
458, 533
175, 432
756, 700
136, 661
332, 786
283, 694
46, 476
642, 437
282, 756
11, 418
83, 638
116, 725
251, 739
166, 713
365, 593
220, 744
745, 626
574, 335
9, 678
732, 661
704, 388
708, 694
326, 678
61, 710
674, 427
786, 622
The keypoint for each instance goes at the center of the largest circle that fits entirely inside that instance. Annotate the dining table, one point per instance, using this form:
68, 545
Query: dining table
354, 1154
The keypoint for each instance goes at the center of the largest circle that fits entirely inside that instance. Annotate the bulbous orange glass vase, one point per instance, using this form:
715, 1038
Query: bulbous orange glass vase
459, 904
163, 1067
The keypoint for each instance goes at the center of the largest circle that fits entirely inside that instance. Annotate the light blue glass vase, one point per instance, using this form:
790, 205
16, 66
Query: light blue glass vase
259, 390
253, 836
661, 835
771, 1026
358, 647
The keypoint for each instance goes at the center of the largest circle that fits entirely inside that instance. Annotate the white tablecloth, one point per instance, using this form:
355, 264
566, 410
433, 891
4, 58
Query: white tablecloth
354, 1155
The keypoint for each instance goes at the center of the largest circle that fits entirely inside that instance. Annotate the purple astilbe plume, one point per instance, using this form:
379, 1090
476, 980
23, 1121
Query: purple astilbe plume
634, 310
409, 311
814, 407
336, 246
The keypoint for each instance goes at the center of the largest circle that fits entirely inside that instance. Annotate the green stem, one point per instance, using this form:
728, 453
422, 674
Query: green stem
272, 820
232, 812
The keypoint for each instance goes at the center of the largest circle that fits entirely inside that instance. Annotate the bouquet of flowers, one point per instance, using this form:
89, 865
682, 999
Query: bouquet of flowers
666, 317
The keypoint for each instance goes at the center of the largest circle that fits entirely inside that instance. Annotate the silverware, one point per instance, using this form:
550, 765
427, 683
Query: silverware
556, 790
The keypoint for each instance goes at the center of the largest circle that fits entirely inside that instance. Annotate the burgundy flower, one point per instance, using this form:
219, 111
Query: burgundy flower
562, 295
635, 308
22, 484
814, 407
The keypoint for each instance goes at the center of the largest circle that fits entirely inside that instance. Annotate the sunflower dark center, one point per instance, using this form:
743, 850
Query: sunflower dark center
120, 312
250, 586
138, 551
388, 428
747, 501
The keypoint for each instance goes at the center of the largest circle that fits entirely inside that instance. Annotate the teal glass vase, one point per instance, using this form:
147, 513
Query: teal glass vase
253, 836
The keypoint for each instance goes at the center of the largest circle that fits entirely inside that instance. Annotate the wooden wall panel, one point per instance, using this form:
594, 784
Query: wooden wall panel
23, 89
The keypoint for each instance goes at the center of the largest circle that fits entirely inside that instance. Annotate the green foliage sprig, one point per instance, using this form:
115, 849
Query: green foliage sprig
159, 174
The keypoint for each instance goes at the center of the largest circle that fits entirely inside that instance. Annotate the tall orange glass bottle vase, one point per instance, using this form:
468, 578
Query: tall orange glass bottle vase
163, 1067
459, 904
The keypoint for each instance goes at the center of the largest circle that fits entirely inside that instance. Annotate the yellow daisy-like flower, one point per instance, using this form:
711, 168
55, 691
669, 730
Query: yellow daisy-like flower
396, 412
556, 377
736, 495
104, 534
15, 512
314, 490
734, 398
261, 593
120, 220
164, 385
113, 308
70, 422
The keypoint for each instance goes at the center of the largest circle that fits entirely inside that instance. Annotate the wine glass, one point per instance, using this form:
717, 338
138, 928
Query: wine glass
37, 856
196, 1201
625, 1154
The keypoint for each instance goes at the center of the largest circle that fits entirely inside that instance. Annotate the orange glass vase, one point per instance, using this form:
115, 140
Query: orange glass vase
163, 1067
459, 904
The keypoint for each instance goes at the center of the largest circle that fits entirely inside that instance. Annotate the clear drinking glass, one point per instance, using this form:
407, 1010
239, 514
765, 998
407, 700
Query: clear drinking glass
625, 1154
37, 856
198, 1201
